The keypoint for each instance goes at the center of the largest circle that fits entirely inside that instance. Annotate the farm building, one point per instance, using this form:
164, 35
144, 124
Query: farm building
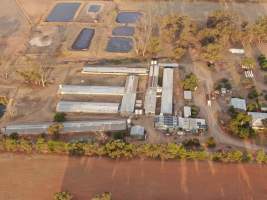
166, 122
138, 132
87, 107
115, 70
257, 118
187, 111
69, 127
188, 95
90, 90
192, 124
128, 100
238, 103
167, 91
151, 93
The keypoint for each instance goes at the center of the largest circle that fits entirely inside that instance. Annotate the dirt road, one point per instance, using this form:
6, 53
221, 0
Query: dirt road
39, 176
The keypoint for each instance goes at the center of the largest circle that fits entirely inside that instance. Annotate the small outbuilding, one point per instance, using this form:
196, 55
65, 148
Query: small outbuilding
238, 103
138, 132
188, 95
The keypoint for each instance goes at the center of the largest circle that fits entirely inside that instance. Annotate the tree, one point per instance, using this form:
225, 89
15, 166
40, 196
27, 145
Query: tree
262, 62
104, 196
154, 46
37, 73
210, 143
190, 82
264, 122
194, 111
258, 31
240, 126
143, 33
55, 129
59, 117
63, 196
248, 63
212, 52
224, 23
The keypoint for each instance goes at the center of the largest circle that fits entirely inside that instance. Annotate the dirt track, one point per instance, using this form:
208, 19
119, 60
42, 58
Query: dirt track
38, 177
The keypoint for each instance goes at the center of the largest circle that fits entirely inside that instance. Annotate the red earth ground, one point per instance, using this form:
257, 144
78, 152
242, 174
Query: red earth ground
32, 177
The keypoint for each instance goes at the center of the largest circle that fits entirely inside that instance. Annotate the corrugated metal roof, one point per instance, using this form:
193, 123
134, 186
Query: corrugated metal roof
90, 90
167, 91
128, 100
187, 95
150, 100
187, 111
77, 126
239, 103
115, 70
257, 118
87, 107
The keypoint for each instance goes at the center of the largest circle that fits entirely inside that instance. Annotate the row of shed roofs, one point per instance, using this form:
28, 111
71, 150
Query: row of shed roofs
128, 100
87, 107
167, 91
114, 70
68, 127
151, 93
91, 90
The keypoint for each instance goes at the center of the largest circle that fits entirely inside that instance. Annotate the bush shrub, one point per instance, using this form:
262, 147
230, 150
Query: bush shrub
59, 117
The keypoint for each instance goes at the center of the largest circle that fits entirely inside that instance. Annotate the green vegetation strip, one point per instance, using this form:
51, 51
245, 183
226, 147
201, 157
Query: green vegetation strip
119, 149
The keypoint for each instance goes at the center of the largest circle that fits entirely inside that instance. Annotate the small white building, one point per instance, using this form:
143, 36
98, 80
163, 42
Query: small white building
187, 111
138, 132
188, 95
257, 118
238, 103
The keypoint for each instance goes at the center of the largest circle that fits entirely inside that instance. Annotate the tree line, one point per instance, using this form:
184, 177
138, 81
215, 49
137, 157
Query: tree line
117, 149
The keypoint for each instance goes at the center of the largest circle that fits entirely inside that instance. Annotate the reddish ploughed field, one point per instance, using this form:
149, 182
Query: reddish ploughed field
37, 177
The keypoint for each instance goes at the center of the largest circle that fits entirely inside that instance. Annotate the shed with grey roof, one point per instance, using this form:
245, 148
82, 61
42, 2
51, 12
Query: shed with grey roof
87, 107
128, 100
115, 70
257, 118
167, 91
90, 90
238, 103
68, 127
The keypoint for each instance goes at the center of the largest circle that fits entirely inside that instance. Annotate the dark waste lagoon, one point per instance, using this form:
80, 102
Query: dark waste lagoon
63, 12
119, 45
83, 41
128, 17
123, 31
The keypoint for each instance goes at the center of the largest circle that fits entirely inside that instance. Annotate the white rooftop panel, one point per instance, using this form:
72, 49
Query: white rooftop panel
90, 90
87, 107
115, 70
167, 91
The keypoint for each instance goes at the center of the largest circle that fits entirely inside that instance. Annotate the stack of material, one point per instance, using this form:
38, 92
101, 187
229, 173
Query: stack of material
87, 107
128, 100
91, 90
167, 91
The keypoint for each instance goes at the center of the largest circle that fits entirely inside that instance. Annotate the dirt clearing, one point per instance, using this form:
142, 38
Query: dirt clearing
42, 175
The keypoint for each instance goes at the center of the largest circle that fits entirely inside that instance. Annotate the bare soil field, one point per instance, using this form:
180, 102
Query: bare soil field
42, 175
